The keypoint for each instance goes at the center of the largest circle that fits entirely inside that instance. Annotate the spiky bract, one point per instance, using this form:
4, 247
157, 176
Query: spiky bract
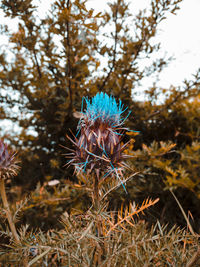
8, 162
99, 146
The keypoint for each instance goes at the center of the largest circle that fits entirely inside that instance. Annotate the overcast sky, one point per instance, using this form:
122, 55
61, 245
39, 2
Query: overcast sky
179, 36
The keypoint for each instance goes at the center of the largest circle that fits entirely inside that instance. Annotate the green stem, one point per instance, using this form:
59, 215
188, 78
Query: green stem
8, 212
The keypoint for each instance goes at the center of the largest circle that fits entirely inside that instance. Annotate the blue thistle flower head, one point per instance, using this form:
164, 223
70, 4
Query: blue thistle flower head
99, 147
104, 108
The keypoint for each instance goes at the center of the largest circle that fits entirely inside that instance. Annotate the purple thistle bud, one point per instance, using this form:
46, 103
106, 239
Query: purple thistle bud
8, 163
99, 146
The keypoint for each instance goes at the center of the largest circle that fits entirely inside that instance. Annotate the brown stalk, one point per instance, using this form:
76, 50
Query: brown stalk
10, 217
8, 212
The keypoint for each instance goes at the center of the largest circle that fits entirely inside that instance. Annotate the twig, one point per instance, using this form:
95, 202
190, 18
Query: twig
172, 102
39, 256
132, 61
183, 212
37, 64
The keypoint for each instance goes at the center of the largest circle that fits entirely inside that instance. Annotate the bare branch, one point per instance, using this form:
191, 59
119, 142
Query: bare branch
69, 62
114, 50
37, 64
179, 95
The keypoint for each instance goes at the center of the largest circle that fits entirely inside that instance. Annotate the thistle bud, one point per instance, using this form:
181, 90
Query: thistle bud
8, 162
99, 146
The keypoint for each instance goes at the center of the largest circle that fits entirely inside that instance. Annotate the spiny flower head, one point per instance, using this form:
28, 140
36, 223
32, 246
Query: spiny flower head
8, 163
99, 146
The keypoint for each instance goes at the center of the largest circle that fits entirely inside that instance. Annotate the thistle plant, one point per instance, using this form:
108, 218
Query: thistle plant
99, 150
8, 168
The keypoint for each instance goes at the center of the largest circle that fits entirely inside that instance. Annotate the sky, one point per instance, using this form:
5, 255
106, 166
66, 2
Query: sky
180, 38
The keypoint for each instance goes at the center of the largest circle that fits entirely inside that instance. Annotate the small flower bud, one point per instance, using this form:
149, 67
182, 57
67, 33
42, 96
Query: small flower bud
8, 162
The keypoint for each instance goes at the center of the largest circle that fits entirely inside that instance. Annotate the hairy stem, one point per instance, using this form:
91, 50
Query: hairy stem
96, 203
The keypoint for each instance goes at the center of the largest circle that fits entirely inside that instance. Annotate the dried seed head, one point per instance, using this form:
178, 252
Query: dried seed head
99, 146
8, 162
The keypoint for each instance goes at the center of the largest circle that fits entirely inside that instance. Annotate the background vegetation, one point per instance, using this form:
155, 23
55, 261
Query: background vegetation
49, 65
